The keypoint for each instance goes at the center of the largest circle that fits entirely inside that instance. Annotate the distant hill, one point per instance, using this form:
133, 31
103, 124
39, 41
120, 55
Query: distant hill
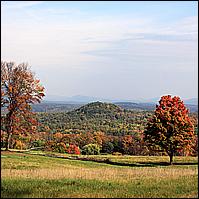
50, 106
81, 99
99, 108
54, 107
192, 108
85, 99
192, 101
136, 106
96, 116
150, 106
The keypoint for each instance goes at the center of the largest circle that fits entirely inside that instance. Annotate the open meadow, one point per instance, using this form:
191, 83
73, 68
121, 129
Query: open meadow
98, 99
34, 176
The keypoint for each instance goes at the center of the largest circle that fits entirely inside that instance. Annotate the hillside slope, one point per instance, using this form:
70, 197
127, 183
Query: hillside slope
96, 116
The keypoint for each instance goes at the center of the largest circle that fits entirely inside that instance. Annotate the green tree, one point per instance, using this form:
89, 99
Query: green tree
91, 149
107, 147
170, 128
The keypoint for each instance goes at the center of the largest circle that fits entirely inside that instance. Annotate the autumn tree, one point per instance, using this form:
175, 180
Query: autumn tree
19, 89
170, 128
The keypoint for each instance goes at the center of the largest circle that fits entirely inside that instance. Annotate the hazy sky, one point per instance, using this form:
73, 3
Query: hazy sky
127, 50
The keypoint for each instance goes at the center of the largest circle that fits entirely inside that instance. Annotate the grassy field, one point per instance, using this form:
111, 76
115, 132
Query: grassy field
35, 176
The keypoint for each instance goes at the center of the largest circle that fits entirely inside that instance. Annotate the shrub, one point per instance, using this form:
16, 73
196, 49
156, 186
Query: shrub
49, 145
19, 145
38, 143
91, 149
73, 149
107, 147
60, 147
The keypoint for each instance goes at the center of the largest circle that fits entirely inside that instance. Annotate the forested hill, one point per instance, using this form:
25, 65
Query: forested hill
96, 116
66, 106
96, 108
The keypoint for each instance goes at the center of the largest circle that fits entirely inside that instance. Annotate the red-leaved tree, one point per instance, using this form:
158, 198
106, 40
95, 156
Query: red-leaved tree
170, 128
19, 89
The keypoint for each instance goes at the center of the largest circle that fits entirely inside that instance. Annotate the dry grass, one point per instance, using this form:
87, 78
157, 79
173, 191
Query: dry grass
91, 179
110, 173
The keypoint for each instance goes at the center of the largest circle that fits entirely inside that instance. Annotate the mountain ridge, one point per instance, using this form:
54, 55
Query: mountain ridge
82, 99
65, 107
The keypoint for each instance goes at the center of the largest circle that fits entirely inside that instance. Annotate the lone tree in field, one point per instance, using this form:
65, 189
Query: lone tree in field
170, 128
19, 89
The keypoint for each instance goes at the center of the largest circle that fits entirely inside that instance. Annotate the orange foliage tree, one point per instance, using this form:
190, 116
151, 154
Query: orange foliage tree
19, 89
170, 128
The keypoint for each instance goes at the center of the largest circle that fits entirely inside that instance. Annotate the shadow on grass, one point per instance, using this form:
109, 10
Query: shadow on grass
167, 163
110, 162
137, 164
150, 164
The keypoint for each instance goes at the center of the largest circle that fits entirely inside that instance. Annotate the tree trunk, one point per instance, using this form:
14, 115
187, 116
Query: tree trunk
8, 141
171, 158
8, 130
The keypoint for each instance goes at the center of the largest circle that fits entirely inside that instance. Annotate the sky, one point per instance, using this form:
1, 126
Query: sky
112, 50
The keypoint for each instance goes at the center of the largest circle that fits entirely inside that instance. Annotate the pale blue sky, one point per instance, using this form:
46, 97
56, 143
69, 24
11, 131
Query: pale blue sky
126, 50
